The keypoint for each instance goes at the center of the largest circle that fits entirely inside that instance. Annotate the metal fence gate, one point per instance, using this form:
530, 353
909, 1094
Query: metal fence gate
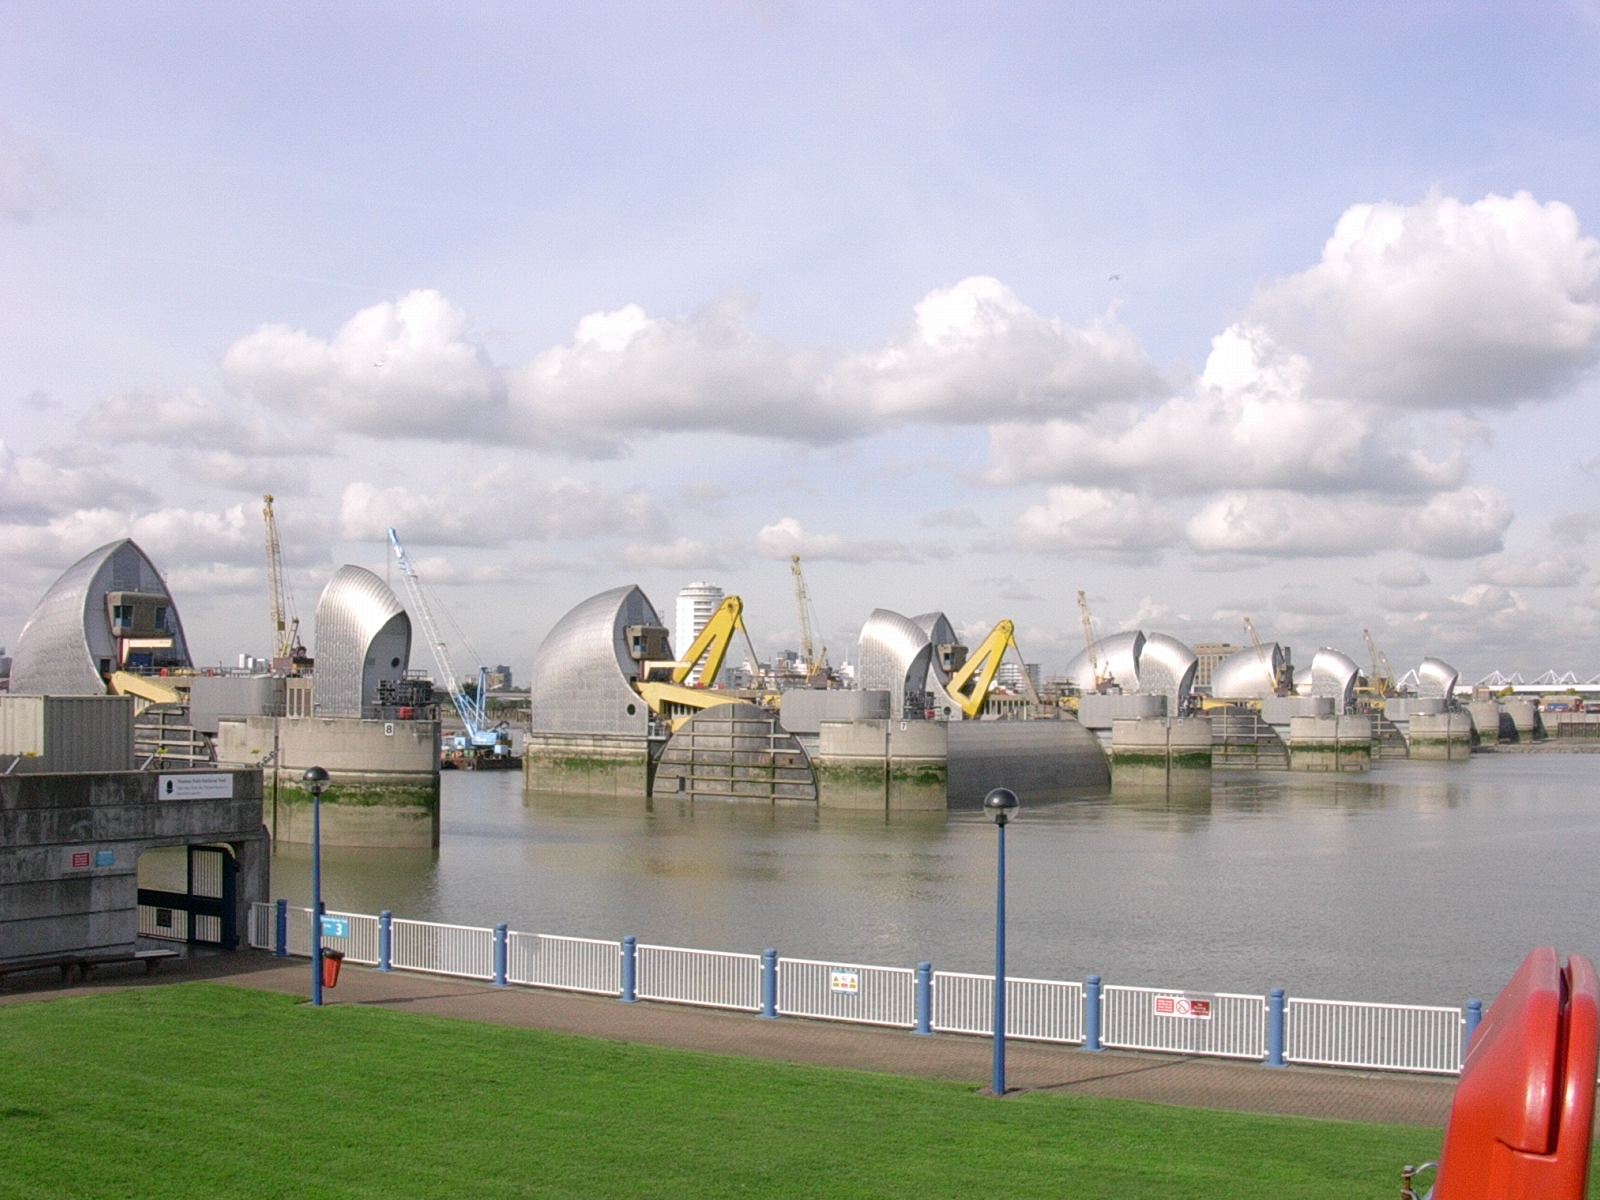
205, 914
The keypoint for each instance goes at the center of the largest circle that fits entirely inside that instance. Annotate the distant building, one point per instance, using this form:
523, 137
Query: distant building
1009, 676
499, 678
696, 603
1209, 655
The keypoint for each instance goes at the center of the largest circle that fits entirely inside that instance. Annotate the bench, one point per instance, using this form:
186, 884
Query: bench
83, 964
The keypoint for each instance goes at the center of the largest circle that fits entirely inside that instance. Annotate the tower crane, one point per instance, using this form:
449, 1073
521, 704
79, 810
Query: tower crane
1382, 679
479, 737
1088, 638
1268, 667
285, 624
814, 655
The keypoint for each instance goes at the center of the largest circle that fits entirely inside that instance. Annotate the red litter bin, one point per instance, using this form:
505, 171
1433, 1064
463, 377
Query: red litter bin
330, 967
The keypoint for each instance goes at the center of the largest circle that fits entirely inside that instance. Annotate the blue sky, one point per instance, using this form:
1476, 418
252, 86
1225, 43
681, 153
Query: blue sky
1287, 311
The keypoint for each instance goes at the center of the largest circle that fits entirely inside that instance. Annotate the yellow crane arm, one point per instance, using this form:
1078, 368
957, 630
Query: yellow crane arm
969, 686
675, 703
712, 643
155, 691
1088, 638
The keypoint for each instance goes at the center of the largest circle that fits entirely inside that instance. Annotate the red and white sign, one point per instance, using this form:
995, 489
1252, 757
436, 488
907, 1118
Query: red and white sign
1183, 1006
80, 860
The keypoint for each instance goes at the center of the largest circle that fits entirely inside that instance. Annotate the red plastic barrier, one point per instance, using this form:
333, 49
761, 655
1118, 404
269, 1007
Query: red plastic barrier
1522, 1118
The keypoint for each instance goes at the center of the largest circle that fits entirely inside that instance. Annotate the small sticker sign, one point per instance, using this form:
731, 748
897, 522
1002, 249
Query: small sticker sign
335, 927
195, 787
848, 982
105, 858
80, 860
1183, 1006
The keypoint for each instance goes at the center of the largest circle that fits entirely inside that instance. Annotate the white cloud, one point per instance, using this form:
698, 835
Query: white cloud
1404, 575
55, 483
1442, 303
685, 554
1576, 528
1095, 520
1531, 570
786, 537
976, 353
173, 537
1251, 421
1459, 524
31, 185
403, 368
497, 510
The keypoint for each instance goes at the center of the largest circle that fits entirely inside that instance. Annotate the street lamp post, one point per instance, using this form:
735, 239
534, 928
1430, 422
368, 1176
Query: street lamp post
1001, 805
316, 778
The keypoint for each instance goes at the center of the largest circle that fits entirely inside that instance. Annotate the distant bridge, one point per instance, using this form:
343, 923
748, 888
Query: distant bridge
1550, 681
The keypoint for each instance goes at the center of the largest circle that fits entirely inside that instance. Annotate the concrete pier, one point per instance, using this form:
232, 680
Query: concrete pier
1524, 714
1440, 736
1160, 746
384, 776
588, 764
1487, 721
883, 765
1330, 743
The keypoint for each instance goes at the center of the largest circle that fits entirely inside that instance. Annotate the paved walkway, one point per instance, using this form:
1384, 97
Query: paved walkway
1381, 1097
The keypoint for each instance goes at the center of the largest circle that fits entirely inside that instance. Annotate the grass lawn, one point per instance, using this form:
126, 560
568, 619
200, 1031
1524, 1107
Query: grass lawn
206, 1090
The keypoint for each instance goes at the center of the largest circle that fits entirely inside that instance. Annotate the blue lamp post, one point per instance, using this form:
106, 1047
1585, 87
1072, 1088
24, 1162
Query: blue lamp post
316, 779
1001, 805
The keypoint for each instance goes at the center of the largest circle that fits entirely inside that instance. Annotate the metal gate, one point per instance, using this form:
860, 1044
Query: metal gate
205, 914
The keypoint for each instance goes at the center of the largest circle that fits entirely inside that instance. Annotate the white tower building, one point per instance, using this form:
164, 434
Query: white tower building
696, 603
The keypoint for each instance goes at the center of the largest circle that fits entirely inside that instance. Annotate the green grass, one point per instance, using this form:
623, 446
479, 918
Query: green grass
206, 1090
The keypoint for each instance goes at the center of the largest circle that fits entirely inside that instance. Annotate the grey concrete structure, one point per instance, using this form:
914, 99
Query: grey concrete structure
1098, 712
894, 654
383, 785
1489, 721
1039, 760
1334, 673
1524, 714
1446, 735
1337, 742
52, 734
1159, 746
1279, 711
883, 765
363, 638
212, 697
70, 846
109, 610
803, 710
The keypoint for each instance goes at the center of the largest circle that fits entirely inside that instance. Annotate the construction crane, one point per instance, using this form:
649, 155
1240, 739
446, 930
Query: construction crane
1268, 667
969, 685
815, 656
285, 624
1382, 678
1088, 638
479, 737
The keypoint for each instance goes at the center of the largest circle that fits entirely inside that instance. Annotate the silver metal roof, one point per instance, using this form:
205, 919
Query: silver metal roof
1246, 675
1167, 667
67, 639
582, 671
1436, 679
363, 638
894, 654
1333, 673
1118, 659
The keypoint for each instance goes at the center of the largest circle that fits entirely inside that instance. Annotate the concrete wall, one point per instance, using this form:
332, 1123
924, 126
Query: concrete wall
1280, 711
50, 906
587, 764
1333, 743
802, 710
1098, 712
1488, 721
1183, 743
1439, 736
212, 697
1039, 760
388, 769
883, 765
1524, 714
66, 733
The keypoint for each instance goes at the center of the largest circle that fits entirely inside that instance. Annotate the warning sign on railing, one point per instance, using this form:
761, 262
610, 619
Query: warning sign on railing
844, 981
1183, 1006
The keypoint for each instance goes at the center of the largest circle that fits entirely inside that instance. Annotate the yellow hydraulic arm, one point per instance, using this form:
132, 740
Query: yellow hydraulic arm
969, 687
126, 683
713, 642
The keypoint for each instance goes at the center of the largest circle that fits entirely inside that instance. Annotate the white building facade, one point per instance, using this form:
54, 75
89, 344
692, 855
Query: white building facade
696, 603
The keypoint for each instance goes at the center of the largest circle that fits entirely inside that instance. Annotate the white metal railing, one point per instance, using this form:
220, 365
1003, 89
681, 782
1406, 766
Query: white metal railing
712, 978
842, 992
361, 946
464, 950
160, 921
1381, 1037
264, 926
572, 964
1217, 1024
1037, 1010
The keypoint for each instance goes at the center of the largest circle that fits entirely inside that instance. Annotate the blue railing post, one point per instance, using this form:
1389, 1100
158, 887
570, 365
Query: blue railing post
630, 969
280, 931
924, 998
769, 983
386, 940
1474, 1016
500, 955
1091, 1013
1275, 1010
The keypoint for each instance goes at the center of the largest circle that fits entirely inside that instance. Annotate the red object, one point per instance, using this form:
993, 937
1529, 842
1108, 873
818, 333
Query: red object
1522, 1118
330, 967
406, 714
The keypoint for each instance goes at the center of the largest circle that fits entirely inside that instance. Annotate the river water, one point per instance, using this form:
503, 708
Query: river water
1416, 883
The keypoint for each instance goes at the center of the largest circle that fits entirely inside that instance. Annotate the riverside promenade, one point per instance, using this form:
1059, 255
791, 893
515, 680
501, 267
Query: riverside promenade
1379, 1097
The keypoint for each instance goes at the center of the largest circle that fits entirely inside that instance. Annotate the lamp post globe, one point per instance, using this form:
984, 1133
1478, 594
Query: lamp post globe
316, 779
1001, 805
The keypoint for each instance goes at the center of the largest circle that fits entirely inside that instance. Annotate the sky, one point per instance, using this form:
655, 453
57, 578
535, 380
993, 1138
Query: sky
1210, 311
